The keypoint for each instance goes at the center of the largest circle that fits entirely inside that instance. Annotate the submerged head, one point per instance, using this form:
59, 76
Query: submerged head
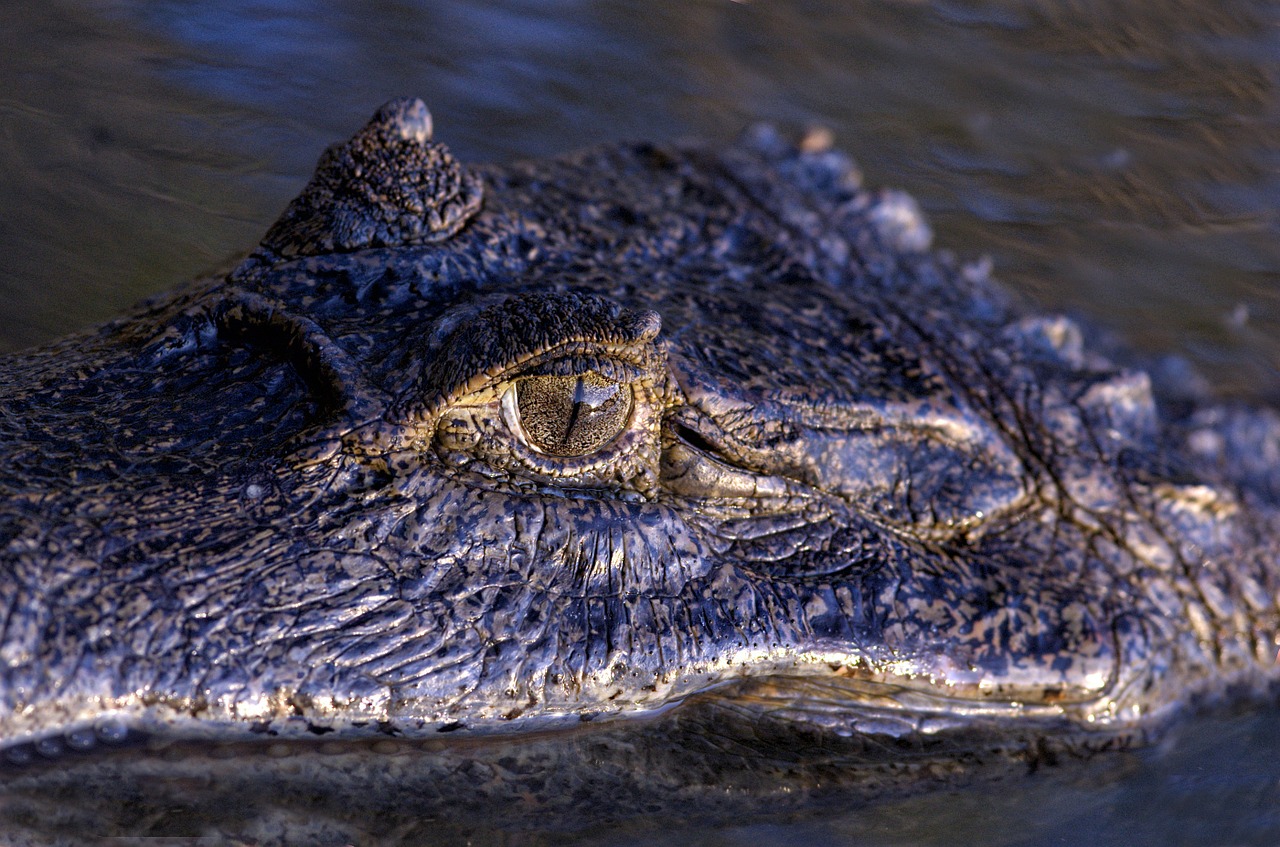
504, 448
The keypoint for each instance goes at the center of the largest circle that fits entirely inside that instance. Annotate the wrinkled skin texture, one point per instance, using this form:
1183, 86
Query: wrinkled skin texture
520, 452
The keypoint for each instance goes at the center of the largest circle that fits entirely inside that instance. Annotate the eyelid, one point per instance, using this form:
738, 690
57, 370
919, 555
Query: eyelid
562, 362
511, 414
555, 332
468, 406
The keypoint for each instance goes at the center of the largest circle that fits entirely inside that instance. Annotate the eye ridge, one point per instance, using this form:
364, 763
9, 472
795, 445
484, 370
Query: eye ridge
571, 415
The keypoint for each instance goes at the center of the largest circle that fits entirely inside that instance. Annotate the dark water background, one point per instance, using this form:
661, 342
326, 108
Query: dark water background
1117, 159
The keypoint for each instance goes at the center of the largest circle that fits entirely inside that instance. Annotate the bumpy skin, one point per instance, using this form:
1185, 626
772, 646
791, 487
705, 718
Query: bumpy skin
859, 493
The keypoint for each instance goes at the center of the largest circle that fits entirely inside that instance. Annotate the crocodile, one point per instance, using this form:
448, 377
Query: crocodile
648, 468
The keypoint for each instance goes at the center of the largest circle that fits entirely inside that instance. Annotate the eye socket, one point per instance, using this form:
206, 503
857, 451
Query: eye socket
567, 415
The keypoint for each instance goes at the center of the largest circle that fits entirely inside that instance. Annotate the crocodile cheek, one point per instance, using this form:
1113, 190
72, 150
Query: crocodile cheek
544, 393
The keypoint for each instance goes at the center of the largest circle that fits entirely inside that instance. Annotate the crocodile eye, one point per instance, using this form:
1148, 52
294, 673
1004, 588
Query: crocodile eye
567, 415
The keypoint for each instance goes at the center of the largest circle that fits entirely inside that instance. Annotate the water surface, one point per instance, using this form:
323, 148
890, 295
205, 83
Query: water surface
1117, 160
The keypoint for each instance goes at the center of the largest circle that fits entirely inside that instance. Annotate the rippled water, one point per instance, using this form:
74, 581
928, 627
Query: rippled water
1119, 160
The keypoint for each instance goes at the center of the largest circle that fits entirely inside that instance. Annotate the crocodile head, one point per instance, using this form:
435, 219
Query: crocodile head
499, 449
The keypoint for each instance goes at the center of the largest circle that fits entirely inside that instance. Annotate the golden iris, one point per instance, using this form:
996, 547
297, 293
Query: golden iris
571, 415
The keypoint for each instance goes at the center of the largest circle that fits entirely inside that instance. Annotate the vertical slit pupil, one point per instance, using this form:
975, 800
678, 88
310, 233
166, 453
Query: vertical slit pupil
572, 415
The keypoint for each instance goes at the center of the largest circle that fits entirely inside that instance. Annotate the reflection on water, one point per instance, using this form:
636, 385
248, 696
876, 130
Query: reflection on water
1117, 159
1155, 797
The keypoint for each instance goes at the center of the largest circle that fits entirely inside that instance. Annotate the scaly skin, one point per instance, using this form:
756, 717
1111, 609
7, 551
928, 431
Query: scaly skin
837, 481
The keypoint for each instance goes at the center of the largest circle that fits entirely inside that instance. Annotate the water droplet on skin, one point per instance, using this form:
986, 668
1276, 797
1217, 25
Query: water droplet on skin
81, 739
111, 731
